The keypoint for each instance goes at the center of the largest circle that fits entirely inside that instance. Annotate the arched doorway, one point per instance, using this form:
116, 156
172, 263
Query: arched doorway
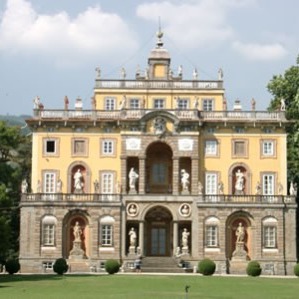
158, 232
158, 168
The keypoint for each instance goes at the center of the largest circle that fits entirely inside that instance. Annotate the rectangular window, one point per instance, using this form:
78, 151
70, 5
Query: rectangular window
49, 181
159, 103
267, 148
107, 183
134, 104
109, 103
211, 183
208, 104
107, 147
210, 147
183, 104
211, 236
239, 148
48, 234
270, 236
106, 235
268, 184
79, 147
50, 146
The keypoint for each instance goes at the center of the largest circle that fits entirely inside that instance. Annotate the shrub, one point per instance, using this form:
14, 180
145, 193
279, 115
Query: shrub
206, 267
296, 269
12, 266
253, 269
112, 266
60, 266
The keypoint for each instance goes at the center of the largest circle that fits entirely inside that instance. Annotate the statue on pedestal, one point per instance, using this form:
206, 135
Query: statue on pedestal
77, 252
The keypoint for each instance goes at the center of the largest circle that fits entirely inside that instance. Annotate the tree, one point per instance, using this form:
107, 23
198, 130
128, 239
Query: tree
286, 87
15, 160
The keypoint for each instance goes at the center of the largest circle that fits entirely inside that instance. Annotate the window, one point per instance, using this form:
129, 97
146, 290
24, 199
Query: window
159, 103
211, 183
268, 184
269, 236
183, 104
109, 103
108, 147
239, 130
106, 231
106, 235
48, 265
50, 146
48, 230
208, 104
211, 236
79, 147
239, 148
49, 182
134, 104
210, 147
267, 148
107, 183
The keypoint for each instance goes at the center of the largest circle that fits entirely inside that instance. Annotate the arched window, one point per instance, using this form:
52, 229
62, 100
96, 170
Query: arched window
48, 230
270, 232
106, 231
211, 232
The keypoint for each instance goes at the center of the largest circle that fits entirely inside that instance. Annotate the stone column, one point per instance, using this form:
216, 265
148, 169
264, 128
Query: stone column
123, 232
141, 175
176, 248
124, 174
194, 175
140, 249
175, 176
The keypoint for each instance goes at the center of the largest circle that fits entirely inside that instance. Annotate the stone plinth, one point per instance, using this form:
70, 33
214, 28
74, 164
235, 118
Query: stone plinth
77, 252
132, 250
185, 251
240, 253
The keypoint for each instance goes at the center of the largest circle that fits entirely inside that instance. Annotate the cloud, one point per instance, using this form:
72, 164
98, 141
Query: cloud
91, 33
260, 52
194, 23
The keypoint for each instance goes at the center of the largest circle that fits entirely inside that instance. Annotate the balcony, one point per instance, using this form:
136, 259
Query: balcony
200, 199
136, 114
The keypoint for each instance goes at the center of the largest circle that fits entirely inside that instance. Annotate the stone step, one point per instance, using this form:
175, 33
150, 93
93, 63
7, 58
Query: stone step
161, 265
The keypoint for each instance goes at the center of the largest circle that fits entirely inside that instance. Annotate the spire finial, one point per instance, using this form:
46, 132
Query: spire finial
159, 36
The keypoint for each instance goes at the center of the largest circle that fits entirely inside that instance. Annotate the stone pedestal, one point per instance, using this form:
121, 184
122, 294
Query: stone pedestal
240, 253
77, 252
185, 192
132, 191
185, 250
132, 250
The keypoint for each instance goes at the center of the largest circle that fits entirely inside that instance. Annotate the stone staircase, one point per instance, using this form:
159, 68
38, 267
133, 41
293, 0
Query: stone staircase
160, 265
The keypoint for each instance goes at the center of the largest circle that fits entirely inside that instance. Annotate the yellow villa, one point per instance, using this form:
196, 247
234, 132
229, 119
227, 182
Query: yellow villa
159, 167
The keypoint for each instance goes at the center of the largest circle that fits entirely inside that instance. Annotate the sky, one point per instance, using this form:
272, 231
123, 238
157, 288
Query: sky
51, 48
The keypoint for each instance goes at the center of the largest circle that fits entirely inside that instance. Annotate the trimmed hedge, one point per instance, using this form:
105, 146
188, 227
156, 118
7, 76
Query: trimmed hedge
12, 266
112, 266
206, 267
60, 266
296, 269
254, 268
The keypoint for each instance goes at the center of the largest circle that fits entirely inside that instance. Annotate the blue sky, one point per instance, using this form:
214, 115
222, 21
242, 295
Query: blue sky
51, 48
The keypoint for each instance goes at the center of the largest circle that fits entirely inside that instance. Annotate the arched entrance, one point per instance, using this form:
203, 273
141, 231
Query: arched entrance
158, 168
158, 232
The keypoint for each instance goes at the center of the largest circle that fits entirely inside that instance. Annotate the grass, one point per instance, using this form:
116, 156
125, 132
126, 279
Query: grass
145, 287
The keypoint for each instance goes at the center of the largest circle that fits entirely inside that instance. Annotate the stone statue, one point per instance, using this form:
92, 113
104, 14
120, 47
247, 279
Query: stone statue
133, 176
196, 103
118, 187
96, 186
98, 73
39, 187
59, 186
220, 188
78, 181
77, 231
180, 71
239, 186
160, 125
185, 236
224, 104
200, 188
195, 74
185, 210
93, 103
293, 189
24, 186
66, 103
185, 180
220, 74
240, 233
123, 103
133, 237
253, 104
282, 104
132, 210
36, 102
123, 73
258, 189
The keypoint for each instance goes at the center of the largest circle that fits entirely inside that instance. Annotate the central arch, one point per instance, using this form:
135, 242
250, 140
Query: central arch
158, 232
159, 168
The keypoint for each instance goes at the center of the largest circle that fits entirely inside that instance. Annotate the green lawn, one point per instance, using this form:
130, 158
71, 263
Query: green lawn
143, 286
